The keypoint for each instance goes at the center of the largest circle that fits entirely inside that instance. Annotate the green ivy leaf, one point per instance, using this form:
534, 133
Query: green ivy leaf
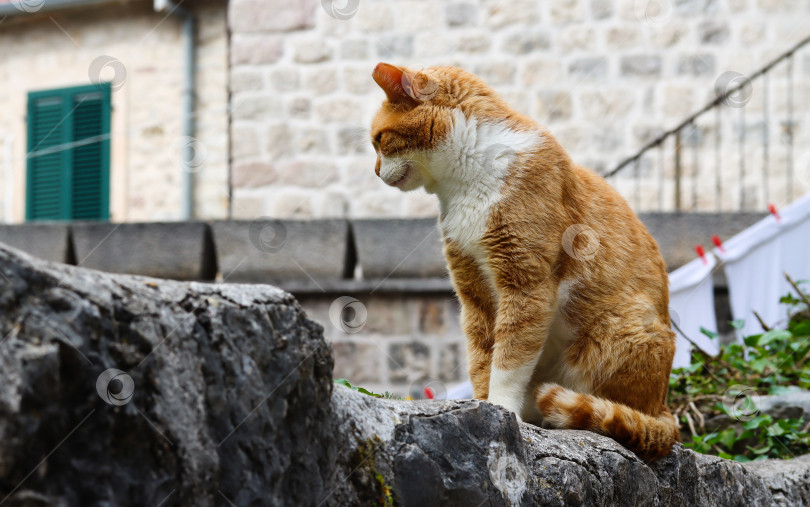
774, 334
728, 437
710, 334
737, 324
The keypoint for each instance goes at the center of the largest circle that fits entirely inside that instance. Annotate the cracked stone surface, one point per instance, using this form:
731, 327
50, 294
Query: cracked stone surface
231, 391
233, 404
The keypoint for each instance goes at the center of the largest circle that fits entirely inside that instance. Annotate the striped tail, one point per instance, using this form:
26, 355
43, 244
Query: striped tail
647, 436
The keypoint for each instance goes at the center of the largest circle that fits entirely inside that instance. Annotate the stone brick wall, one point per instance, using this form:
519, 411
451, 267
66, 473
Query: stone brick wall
56, 49
606, 76
402, 343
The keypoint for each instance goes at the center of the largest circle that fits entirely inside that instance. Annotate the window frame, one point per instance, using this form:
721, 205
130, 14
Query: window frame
67, 96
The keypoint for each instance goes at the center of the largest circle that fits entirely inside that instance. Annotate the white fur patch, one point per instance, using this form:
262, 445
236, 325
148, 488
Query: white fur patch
469, 168
507, 388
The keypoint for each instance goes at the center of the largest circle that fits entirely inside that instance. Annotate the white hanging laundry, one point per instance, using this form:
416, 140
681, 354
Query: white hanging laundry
691, 306
756, 260
462, 391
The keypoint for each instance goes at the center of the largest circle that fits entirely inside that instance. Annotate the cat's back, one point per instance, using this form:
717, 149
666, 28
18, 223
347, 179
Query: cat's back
624, 240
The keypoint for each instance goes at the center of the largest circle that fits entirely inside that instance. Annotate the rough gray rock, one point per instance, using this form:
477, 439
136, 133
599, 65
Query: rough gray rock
233, 404
231, 391
472, 453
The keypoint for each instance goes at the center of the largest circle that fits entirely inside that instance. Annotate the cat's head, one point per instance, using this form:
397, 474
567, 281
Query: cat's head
413, 132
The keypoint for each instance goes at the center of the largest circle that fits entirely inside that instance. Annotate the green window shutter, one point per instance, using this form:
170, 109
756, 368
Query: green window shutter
45, 199
69, 154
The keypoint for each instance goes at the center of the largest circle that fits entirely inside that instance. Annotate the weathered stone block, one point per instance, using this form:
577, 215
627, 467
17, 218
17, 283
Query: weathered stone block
395, 46
354, 49
408, 362
696, 65
353, 140
285, 79
267, 250
336, 109
452, 365
576, 38
602, 9
256, 106
461, 14
389, 316
299, 107
174, 250
312, 51
358, 362
255, 49
243, 80
311, 140
567, 11
49, 241
552, 106
399, 248
641, 65
713, 32
526, 41
588, 68
252, 174
472, 44
496, 73
542, 71
292, 203
271, 15
623, 36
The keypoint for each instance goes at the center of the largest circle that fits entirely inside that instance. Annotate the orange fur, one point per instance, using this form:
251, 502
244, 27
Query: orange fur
580, 329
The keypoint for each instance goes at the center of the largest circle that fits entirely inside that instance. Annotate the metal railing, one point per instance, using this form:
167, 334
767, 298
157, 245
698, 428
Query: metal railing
753, 150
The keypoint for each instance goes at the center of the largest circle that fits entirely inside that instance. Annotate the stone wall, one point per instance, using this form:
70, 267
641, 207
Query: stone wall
54, 49
606, 76
403, 343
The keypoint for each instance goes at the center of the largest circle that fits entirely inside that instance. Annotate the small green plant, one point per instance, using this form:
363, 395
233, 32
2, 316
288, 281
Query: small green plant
386, 395
713, 396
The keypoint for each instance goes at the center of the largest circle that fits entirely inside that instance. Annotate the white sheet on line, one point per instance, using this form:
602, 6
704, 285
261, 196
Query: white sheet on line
691, 306
756, 259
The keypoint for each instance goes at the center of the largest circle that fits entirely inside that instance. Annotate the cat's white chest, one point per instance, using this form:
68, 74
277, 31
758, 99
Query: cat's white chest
465, 226
474, 163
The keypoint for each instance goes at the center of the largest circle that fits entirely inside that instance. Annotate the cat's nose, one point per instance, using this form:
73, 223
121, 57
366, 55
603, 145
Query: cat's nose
377, 166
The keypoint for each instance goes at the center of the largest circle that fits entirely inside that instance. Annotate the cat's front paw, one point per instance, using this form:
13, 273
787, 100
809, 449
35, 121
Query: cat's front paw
510, 405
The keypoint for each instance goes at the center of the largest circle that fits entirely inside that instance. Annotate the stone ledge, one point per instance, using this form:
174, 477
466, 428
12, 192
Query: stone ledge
49, 241
174, 250
275, 251
388, 286
399, 248
307, 255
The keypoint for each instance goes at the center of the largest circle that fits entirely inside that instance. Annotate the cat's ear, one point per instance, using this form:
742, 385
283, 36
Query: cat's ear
395, 82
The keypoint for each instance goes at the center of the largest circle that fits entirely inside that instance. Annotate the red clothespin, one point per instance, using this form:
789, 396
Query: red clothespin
429, 393
701, 253
718, 243
774, 212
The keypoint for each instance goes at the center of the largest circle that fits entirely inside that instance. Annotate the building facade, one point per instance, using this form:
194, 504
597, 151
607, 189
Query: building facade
283, 95
131, 56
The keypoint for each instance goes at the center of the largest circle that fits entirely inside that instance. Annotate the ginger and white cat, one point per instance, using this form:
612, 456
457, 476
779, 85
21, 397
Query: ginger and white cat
563, 292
